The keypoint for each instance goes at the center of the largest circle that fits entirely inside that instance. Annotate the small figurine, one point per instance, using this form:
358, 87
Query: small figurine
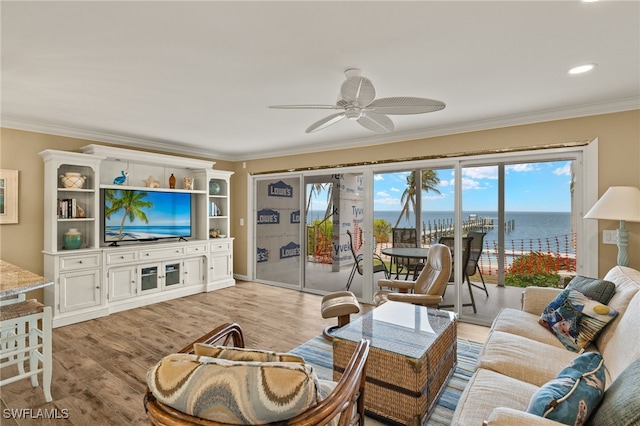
150, 182
120, 180
187, 183
172, 181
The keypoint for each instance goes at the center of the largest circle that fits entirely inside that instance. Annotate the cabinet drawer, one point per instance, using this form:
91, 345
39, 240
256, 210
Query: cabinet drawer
121, 257
166, 253
72, 263
199, 249
222, 246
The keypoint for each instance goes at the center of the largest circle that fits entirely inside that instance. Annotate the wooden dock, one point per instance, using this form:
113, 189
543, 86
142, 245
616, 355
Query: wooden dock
432, 231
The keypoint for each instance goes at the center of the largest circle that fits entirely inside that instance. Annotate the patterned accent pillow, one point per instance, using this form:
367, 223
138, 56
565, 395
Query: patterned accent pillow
572, 396
235, 392
575, 319
244, 354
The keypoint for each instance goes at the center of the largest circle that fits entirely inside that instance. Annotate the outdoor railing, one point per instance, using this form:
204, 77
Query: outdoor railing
559, 247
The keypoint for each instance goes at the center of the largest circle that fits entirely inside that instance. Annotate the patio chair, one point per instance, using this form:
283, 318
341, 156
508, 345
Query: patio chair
378, 263
466, 252
428, 288
474, 258
345, 399
406, 237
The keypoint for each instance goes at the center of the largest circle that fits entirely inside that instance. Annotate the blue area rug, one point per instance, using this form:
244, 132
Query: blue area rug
318, 352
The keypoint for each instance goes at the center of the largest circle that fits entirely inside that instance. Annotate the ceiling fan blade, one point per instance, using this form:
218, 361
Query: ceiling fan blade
376, 122
310, 106
325, 122
358, 89
405, 105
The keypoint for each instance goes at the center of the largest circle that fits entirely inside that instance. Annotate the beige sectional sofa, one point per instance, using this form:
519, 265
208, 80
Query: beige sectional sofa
520, 356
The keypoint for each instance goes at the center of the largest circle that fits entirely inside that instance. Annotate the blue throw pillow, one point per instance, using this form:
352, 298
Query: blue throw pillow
575, 319
573, 395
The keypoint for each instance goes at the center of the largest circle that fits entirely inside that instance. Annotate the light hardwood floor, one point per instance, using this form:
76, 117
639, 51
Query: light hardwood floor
100, 365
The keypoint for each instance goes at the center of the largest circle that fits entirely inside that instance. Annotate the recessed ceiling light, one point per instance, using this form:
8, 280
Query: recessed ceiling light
581, 69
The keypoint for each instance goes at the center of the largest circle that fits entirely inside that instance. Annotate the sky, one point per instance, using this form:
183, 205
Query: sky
530, 187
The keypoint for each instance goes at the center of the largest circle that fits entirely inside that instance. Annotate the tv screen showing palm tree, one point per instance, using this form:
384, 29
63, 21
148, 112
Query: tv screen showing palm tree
138, 215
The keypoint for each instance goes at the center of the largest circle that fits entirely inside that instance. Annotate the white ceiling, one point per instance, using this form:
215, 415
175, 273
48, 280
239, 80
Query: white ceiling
197, 77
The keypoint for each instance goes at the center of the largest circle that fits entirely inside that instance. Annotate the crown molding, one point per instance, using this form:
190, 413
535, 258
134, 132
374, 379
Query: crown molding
618, 105
110, 138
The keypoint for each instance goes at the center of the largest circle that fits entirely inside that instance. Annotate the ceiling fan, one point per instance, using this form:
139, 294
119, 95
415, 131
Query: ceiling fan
358, 102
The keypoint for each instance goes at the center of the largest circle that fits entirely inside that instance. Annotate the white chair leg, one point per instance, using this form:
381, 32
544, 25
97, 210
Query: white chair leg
20, 343
47, 352
32, 326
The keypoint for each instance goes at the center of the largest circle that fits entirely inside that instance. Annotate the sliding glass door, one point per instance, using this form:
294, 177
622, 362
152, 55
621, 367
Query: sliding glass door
335, 216
277, 221
324, 232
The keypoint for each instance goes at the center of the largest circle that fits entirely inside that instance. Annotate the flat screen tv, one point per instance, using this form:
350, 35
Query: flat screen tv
139, 215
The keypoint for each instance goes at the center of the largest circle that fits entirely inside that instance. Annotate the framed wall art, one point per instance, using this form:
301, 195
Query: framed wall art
8, 196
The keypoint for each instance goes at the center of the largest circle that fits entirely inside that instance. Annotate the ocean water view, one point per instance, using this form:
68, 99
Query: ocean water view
528, 227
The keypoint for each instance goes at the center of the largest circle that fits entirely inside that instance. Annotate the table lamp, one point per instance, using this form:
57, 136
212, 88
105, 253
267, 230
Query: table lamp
618, 203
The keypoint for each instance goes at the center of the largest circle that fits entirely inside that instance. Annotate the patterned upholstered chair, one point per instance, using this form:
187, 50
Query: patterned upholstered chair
209, 384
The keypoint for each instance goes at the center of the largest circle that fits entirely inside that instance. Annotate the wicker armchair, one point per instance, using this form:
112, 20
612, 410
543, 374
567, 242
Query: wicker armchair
345, 402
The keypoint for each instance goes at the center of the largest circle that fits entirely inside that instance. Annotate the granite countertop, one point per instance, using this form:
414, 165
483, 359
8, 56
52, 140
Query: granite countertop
15, 280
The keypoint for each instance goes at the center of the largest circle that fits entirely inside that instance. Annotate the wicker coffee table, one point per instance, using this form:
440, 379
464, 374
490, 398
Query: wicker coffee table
413, 353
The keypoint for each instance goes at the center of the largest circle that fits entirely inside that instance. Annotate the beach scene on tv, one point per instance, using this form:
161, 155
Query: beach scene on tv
136, 215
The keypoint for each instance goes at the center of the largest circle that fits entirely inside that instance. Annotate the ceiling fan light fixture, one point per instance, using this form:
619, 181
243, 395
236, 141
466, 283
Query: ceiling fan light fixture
353, 113
581, 69
357, 102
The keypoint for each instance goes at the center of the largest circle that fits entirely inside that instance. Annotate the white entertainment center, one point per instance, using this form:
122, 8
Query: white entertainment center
99, 277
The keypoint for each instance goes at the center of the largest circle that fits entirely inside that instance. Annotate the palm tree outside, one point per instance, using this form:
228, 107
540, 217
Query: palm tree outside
131, 202
430, 181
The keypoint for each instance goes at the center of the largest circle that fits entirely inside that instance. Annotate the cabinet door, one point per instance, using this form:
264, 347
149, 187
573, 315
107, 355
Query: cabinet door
122, 282
172, 274
194, 271
80, 289
149, 278
221, 266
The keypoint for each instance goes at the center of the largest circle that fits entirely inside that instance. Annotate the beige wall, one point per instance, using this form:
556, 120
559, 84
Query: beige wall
619, 160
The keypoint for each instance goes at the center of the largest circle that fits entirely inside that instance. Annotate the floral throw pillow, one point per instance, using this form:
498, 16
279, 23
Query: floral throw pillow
573, 395
576, 319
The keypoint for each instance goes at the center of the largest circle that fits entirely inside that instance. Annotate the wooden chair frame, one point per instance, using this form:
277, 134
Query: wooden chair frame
346, 401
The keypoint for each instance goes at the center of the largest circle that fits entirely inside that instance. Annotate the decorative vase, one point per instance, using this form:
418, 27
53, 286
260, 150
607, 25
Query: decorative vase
172, 181
72, 239
214, 187
73, 180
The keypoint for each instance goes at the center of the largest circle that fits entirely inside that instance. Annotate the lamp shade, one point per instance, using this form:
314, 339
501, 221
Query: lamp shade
617, 203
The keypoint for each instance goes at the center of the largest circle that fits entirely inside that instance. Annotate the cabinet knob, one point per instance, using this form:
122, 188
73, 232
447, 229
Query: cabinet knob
146, 254
79, 261
121, 257
98, 287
